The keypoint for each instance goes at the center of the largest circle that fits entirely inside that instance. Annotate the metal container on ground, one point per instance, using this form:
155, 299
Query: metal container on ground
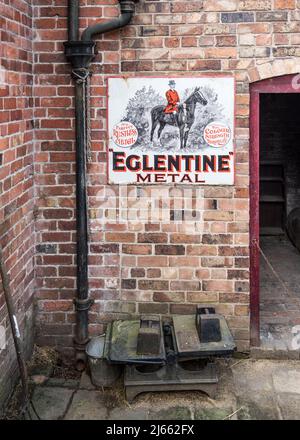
103, 374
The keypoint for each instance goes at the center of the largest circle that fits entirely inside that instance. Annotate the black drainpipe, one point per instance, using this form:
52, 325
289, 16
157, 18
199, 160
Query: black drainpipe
80, 53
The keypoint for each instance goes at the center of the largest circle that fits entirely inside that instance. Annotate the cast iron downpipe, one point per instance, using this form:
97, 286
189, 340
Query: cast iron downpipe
80, 53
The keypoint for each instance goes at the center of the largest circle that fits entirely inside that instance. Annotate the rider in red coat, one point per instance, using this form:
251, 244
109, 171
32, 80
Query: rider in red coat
172, 98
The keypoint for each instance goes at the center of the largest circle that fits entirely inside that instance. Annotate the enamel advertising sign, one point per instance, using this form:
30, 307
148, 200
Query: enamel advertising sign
171, 130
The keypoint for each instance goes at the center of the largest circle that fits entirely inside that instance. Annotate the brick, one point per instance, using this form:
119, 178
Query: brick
237, 17
133, 66
241, 310
128, 284
239, 322
153, 285
226, 297
154, 30
169, 250
217, 286
216, 262
201, 250
153, 308
62, 306
187, 30
255, 28
104, 248
238, 274
46, 248
153, 261
226, 40
153, 273
169, 272
120, 237
168, 297
233, 250
188, 41
183, 261
138, 273
185, 238
221, 52
152, 227
285, 4
272, 16
137, 296
172, 42
242, 262
201, 297
202, 274
169, 19
182, 309
185, 285
216, 239
285, 51
136, 249
152, 238
167, 66
221, 5
186, 273
256, 5
242, 286
218, 215
202, 65
186, 6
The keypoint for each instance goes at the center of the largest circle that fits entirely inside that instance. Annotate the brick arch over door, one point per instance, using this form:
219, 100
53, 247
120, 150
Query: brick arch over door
273, 69
265, 80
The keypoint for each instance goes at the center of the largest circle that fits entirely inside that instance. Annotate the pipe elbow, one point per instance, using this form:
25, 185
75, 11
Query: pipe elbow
101, 28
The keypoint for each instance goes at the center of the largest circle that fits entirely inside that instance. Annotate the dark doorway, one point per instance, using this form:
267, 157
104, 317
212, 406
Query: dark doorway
279, 160
279, 183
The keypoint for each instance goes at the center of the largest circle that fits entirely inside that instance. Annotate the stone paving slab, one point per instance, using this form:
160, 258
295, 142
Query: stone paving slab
128, 414
51, 403
280, 310
252, 377
287, 381
248, 390
172, 413
213, 413
289, 405
87, 405
261, 409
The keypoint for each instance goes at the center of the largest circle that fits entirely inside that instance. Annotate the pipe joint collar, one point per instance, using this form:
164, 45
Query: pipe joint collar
80, 53
83, 304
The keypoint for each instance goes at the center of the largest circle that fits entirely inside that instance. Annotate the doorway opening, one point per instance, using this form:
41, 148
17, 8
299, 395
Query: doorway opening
279, 196
276, 260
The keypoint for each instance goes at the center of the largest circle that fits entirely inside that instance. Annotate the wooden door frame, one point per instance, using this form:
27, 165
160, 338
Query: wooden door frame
282, 84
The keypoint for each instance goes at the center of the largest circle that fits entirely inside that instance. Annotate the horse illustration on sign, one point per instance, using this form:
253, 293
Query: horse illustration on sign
175, 114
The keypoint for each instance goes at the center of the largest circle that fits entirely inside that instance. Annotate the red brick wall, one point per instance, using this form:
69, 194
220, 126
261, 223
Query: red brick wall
146, 267
16, 174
